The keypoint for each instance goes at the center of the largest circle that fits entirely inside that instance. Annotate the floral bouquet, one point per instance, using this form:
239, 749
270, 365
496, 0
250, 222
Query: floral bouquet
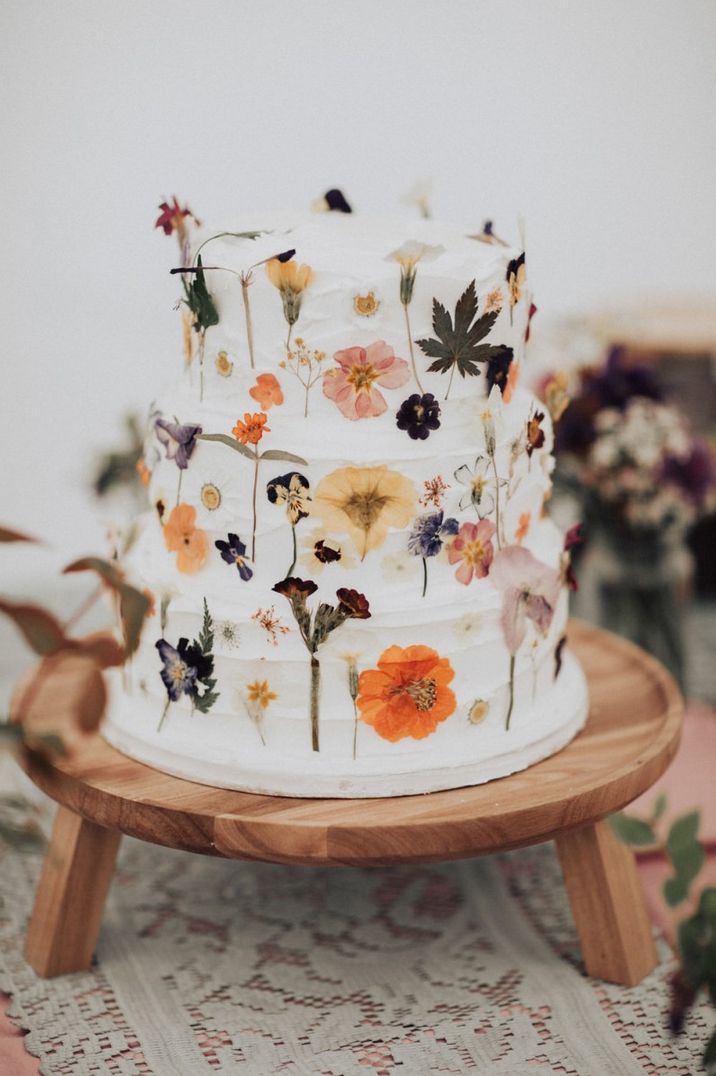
641, 479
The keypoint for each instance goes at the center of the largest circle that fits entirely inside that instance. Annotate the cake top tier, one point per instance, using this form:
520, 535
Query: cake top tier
348, 306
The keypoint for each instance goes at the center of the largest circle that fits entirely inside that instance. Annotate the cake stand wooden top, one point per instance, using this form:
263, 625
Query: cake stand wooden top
629, 739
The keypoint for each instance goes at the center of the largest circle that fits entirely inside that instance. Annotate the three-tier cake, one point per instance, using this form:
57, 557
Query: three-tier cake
357, 591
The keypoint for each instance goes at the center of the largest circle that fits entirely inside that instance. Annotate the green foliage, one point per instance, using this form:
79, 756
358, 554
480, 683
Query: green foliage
659, 806
632, 831
244, 450
457, 345
199, 300
687, 857
697, 945
133, 604
205, 643
118, 467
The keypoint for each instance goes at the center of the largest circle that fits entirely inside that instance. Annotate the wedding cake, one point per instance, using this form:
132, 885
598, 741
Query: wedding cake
356, 589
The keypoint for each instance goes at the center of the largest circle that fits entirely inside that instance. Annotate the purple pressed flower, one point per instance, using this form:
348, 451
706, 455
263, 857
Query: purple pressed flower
179, 673
498, 370
419, 415
428, 533
233, 551
179, 441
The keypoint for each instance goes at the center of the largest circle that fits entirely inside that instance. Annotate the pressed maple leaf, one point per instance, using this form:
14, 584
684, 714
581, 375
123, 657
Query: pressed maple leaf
457, 345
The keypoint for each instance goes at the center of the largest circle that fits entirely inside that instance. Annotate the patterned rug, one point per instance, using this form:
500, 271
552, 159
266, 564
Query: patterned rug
208, 966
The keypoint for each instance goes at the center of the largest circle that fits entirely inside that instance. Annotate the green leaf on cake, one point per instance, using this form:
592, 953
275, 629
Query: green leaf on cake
205, 644
279, 454
230, 442
199, 300
457, 344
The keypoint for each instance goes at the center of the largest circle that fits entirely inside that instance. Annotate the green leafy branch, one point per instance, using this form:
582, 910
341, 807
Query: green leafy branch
696, 935
205, 644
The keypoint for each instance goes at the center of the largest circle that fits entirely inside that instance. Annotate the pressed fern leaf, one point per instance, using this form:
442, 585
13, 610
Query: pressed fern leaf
457, 345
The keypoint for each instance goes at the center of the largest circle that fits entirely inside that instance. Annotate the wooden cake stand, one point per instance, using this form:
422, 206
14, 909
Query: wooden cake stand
630, 737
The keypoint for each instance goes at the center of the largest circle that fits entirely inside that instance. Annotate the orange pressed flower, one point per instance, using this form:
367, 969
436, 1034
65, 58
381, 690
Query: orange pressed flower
523, 527
143, 471
152, 607
267, 391
252, 429
183, 537
408, 694
511, 384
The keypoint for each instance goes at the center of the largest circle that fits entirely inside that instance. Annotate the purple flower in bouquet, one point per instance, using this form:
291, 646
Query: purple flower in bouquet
179, 441
695, 474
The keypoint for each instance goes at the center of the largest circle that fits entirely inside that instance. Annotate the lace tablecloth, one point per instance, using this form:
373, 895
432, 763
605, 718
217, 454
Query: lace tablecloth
210, 966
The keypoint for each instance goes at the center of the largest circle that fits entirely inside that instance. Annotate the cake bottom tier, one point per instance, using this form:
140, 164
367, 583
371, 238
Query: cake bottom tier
538, 731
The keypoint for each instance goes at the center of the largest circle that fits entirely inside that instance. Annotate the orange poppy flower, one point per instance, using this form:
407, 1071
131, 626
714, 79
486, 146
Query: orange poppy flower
523, 527
266, 391
252, 429
407, 695
183, 537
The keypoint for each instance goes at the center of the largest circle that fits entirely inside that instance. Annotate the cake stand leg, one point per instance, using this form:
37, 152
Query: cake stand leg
70, 897
607, 903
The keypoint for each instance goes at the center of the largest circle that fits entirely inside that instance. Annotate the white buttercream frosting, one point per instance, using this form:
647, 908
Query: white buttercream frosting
256, 637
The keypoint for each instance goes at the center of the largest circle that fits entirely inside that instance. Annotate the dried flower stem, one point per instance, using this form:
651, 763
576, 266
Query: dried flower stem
315, 695
202, 344
253, 504
412, 353
425, 576
295, 551
512, 693
162, 719
498, 533
245, 283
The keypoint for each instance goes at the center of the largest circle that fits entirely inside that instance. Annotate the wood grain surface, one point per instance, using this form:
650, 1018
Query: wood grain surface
630, 737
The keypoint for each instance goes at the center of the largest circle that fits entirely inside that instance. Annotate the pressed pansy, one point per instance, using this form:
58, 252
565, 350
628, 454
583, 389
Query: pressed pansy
472, 549
427, 536
498, 373
267, 391
319, 550
293, 491
252, 429
418, 415
233, 551
364, 502
516, 276
183, 537
188, 669
179, 670
407, 694
352, 384
224, 365
179, 440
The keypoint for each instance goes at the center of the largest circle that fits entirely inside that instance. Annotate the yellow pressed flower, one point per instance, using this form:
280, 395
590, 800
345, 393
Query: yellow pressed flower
224, 365
210, 496
366, 305
364, 502
478, 711
289, 276
259, 693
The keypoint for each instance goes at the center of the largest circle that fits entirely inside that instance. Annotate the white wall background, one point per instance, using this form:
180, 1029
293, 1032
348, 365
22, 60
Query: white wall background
594, 119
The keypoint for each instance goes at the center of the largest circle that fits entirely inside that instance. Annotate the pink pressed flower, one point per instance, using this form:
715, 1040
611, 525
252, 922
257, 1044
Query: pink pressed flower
472, 548
351, 385
530, 590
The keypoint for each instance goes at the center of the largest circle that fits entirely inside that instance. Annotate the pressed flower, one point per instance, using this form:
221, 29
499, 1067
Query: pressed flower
513, 376
224, 365
291, 280
351, 661
351, 385
516, 277
556, 396
179, 672
493, 301
572, 538
183, 537
408, 693
478, 711
233, 551
364, 502
326, 552
152, 607
408, 257
228, 634
558, 652
535, 433
252, 429
427, 537
434, 488
172, 216
266, 391
179, 440
479, 485
259, 692
291, 489
530, 314
210, 496
143, 471
315, 627
306, 365
498, 370
523, 527
472, 549
160, 508
271, 623
419, 415
187, 335
366, 305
